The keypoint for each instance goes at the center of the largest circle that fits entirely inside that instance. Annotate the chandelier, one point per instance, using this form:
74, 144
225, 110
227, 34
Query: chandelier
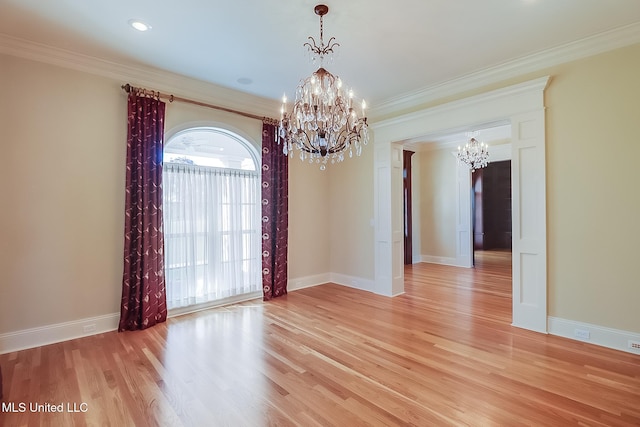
324, 123
474, 153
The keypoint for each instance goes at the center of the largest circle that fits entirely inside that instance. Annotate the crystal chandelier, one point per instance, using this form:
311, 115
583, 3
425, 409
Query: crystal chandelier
474, 153
323, 124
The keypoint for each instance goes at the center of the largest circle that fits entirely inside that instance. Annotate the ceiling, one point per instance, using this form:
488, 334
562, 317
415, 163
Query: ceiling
388, 49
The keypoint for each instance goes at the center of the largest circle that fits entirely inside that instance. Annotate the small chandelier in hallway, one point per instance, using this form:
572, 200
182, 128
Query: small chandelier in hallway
475, 154
325, 123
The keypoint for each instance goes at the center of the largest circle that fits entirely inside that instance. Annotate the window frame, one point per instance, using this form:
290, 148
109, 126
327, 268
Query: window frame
253, 151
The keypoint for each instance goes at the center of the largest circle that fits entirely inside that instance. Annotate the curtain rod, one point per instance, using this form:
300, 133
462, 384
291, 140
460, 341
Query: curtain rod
147, 92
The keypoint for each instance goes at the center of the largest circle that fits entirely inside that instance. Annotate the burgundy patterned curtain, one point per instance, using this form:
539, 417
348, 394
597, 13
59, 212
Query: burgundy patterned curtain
275, 214
143, 286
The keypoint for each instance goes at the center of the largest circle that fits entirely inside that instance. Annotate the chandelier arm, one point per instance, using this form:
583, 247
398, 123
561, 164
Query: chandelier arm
313, 47
331, 44
322, 50
306, 145
338, 149
341, 142
308, 150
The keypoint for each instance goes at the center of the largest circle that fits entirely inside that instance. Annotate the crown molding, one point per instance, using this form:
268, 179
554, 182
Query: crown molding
532, 87
139, 75
599, 43
208, 92
480, 111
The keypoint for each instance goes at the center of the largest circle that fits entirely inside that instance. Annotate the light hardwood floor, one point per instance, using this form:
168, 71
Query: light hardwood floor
441, 354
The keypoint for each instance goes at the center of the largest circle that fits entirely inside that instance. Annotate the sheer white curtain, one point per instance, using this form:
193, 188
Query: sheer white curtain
212, 233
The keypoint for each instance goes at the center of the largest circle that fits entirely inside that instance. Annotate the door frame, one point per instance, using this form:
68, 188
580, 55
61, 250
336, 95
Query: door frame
523, 106
464, 240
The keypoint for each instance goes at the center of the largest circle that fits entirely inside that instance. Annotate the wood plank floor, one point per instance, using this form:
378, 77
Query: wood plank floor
444, 353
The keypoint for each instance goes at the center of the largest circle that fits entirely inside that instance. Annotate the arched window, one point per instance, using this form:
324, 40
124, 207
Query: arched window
211, 211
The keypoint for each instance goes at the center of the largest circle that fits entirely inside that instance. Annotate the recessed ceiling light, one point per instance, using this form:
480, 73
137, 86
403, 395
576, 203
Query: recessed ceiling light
139, 25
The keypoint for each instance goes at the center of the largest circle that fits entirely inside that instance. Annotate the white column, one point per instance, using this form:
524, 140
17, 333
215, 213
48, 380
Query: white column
529, 221
464, 237
389, 249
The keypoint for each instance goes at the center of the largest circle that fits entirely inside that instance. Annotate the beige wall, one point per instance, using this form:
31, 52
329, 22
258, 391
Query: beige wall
62, 179
593, 200
437, 202
308, 219
63, 141
349, 224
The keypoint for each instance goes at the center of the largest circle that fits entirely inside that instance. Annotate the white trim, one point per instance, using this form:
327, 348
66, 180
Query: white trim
60, 332
388, 219
233, 131
500, 153
599, 43
500, 102
164, 81
51, 334
336, 278
522, 105
247, 142
35, 337
464, 222
442, 260
599, 335
308, 281
352, 282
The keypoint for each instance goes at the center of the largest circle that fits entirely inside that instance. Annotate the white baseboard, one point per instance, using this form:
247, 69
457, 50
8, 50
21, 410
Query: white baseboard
439, 260
51, 334
353, 282
339, 279
308, 281
599, 335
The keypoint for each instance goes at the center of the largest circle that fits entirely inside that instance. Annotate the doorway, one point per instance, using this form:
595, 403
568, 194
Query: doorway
491, 208
520, 105
492, 222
